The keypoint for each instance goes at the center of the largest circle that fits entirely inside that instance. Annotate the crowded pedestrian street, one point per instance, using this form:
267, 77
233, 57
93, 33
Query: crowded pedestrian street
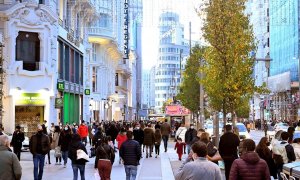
161, 168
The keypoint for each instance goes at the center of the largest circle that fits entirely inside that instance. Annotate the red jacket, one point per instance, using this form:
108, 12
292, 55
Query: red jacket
120, 139
180, 147
83, 131
249, 167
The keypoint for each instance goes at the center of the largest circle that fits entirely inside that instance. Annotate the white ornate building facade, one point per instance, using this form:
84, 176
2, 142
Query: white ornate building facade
62, 62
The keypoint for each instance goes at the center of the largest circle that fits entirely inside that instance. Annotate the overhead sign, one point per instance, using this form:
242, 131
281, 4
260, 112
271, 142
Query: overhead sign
126, 32
60, 86
177, 110
30, 99
87, 92
59, 102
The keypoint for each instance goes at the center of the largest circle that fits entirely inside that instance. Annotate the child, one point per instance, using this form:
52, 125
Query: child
180, 146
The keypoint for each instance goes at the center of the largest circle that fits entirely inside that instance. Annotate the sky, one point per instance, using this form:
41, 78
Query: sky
150, 35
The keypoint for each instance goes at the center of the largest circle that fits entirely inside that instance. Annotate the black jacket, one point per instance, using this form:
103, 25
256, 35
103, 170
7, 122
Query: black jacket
138, 135
43, 146
130, 152
72, 154
64, 141
190, 134
228, 145
97, 139
17, 139
104, 151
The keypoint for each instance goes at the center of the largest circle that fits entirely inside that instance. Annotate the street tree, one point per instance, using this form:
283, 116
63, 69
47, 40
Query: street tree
189, 88
228, 65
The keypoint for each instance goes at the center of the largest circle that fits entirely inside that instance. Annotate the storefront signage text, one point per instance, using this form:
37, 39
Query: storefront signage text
30, 99
126, 32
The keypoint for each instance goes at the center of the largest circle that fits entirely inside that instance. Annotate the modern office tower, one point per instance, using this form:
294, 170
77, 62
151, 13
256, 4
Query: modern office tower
172, 49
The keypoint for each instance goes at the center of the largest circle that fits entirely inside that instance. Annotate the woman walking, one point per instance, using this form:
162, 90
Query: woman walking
157, 140
77, 164
105, 158
54, 145
264, 153
64, 141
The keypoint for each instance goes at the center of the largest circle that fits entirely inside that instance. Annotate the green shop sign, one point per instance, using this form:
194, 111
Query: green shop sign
30, 99
60, 86
59, 102
87, 91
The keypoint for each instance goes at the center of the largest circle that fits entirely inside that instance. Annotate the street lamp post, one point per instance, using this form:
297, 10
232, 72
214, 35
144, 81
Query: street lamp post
267, 61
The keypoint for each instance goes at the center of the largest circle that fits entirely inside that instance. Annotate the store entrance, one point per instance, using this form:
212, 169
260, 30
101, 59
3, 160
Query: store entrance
28, 117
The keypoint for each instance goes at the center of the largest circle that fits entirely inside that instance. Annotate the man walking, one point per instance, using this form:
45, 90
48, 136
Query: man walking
197, 166
10, 166
190, 134
83, 132
39, 146
130, 152
16, 142
228, 145
149, 140
165, 132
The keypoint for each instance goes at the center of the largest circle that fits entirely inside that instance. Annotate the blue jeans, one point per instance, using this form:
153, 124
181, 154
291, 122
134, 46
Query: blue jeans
188, 148
165, 139
131, 172
38, 166
81, 169
65, 156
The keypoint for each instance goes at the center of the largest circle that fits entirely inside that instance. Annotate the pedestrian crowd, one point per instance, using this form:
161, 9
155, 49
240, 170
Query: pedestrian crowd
242, 159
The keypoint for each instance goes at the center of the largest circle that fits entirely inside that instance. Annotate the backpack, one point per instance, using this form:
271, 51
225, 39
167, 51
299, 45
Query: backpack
278, 159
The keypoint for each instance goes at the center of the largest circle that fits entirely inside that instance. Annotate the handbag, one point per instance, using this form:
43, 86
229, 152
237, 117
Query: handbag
57, 152
93, 152
82, 155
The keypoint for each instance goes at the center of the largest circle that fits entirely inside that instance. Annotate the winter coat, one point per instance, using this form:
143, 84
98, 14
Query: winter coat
113, 132
120, 139
83, 131
72, 152
228, 145
55, 140
39, 144
249, 167
17, 139
190, 134
138, 135
268, 158
97, 139
198, 169
149, 138
157, 137
10, 165
64, 141
90, 129
104, 151
180, 133
165, 129
130, 152
180, 147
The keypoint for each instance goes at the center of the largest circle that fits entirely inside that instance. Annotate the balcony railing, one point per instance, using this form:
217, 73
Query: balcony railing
102, 32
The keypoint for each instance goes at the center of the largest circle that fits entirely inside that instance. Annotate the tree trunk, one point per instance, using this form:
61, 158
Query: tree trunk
217, 133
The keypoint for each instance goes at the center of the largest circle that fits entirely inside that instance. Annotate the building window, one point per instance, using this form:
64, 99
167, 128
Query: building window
28, 50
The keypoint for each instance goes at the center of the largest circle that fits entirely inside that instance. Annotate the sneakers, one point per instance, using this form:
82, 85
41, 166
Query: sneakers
156, 156
65, 165
147, 156
150, 155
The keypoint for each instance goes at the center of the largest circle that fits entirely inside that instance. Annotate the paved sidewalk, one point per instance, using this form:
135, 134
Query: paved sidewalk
150, 168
